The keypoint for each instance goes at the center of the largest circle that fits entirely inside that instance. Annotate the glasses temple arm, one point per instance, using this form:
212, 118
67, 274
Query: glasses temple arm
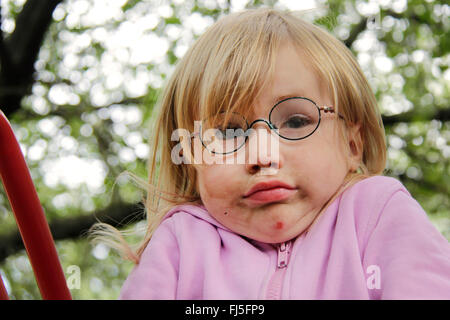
327, 109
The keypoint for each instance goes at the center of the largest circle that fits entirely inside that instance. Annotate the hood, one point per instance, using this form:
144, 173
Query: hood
198, 211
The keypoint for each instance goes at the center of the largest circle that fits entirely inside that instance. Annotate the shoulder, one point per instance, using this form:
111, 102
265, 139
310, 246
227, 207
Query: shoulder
376, 186
372, 193
371, 198
398, 237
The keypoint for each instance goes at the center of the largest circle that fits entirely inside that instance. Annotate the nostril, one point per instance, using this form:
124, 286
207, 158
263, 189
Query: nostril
254, 168
263, 168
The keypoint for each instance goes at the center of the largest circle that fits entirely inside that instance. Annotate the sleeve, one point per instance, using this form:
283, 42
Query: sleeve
155, 277
407, 253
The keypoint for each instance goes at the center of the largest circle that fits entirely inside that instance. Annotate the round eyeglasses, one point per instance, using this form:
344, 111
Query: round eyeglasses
293, 118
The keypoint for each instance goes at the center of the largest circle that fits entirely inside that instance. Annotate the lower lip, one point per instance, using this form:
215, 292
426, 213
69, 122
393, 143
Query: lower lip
271, 195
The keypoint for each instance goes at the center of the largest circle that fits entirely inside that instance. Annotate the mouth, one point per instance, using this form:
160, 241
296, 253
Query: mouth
270, 191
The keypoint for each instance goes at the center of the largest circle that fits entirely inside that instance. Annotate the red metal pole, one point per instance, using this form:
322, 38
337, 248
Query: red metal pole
30, 216
3, 292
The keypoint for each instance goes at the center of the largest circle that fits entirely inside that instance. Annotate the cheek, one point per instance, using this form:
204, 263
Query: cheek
220, 192
319, 164
218, 183
328, 151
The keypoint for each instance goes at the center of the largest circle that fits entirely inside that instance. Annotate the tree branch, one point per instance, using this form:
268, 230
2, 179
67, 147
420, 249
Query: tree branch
19, 51
441, 115
117, 215
354, 33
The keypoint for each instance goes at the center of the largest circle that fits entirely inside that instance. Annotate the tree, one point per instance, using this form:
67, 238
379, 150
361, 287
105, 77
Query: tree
79, 79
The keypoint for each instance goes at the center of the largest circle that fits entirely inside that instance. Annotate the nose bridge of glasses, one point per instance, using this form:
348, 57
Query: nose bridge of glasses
255, 124
263, 134
263, 147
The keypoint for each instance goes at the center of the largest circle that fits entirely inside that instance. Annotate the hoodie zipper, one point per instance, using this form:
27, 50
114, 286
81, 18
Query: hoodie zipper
275, 284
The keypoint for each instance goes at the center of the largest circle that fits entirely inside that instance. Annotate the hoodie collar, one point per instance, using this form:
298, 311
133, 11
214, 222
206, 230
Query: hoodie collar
198, 211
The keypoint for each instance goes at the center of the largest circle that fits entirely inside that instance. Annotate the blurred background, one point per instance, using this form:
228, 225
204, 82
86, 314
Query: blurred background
79, 80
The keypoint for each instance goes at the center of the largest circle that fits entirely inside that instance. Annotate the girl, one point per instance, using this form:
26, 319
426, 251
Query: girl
313, 219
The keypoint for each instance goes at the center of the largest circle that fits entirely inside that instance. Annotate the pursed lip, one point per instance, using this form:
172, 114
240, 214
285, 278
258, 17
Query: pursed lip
267, 185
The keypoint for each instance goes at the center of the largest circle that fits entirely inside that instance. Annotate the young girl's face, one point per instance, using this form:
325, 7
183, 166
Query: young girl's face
312, 169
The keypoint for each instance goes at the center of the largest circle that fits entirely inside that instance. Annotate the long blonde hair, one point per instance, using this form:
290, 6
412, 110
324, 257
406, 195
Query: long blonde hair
224, 71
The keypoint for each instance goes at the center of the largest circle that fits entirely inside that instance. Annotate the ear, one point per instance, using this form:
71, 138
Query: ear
355, 146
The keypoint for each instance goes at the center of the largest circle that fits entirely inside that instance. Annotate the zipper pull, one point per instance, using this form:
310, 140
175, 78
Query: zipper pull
283, 254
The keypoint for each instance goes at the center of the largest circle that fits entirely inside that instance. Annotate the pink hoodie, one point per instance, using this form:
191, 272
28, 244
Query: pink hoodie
373, 242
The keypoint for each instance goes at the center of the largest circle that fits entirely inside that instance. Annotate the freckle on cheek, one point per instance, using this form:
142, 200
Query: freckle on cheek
279, 225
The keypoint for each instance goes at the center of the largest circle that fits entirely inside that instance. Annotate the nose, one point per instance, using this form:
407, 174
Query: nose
262, 150
264, 168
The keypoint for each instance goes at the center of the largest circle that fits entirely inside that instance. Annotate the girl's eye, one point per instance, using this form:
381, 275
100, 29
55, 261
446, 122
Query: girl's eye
296, 121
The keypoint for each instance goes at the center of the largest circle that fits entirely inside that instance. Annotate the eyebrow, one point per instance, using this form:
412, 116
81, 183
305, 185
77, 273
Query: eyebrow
276, 100
285, 96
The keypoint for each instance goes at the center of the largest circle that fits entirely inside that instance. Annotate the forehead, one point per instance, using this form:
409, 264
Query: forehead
294, 76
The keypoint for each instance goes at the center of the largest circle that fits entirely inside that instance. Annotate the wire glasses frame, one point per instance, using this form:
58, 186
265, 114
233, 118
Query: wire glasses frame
272, 126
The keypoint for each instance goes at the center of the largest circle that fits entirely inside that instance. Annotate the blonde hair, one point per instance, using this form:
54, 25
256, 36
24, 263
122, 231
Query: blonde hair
224, 71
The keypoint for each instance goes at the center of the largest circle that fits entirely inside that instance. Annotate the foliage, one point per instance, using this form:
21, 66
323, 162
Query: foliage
102, 65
